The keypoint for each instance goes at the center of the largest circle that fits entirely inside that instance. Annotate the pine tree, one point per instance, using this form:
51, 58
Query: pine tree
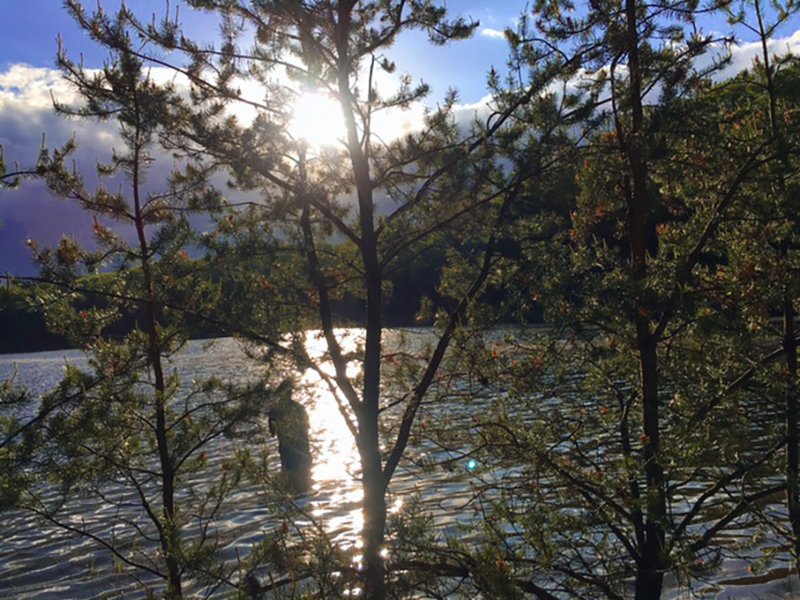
127, 427
435, 180
645, 345
770, 87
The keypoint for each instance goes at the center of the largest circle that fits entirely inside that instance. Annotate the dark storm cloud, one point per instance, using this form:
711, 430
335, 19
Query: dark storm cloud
31, 211
26, 114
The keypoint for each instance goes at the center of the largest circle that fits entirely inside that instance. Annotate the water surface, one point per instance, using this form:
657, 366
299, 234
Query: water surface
37, 561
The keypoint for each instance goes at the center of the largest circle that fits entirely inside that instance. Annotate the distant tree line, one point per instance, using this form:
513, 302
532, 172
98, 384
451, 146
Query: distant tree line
26, 330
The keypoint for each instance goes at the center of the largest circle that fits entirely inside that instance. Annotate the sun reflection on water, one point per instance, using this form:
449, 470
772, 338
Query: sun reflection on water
336, 468
336, 499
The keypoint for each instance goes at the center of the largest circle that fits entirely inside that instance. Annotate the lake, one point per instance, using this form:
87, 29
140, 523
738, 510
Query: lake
37, 561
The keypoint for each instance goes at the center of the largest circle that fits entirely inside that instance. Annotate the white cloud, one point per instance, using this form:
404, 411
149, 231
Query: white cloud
26, 113
466, 114
479, 105
497, 34
29, 88
742, 55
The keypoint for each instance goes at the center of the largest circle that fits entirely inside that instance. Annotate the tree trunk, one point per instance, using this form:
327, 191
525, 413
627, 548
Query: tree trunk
374, 511
369, 443
652, 561
789, 333
792, 437
169, 537
168, 531
374, 484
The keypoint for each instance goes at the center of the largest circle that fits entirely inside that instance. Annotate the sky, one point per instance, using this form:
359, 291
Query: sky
28, 44
29, 30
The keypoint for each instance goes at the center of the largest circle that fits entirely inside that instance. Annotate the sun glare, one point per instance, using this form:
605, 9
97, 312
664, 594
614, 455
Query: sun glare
317, 120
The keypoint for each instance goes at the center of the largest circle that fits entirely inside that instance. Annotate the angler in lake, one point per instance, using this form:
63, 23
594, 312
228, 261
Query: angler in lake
289, 421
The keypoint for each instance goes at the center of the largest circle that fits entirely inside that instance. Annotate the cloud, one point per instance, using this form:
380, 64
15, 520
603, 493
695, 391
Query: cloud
31, 211
742, 55
497, 34
26, 114
466, 114
31, 87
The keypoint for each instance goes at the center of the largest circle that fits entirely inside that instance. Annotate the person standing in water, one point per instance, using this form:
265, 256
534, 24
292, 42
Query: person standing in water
289, 421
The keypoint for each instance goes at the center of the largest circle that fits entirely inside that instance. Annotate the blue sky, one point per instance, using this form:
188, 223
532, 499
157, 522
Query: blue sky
29, 28
28, 32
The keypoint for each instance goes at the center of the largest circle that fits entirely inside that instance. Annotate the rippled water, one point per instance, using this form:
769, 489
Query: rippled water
48, 563
41, 562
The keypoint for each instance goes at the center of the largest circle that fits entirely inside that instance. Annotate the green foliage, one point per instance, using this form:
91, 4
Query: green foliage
126, 428
15, 443
645, 214
46, 162
648, 381
437, 184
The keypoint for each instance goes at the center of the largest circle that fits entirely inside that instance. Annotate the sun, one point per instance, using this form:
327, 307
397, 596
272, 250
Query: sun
317, 120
